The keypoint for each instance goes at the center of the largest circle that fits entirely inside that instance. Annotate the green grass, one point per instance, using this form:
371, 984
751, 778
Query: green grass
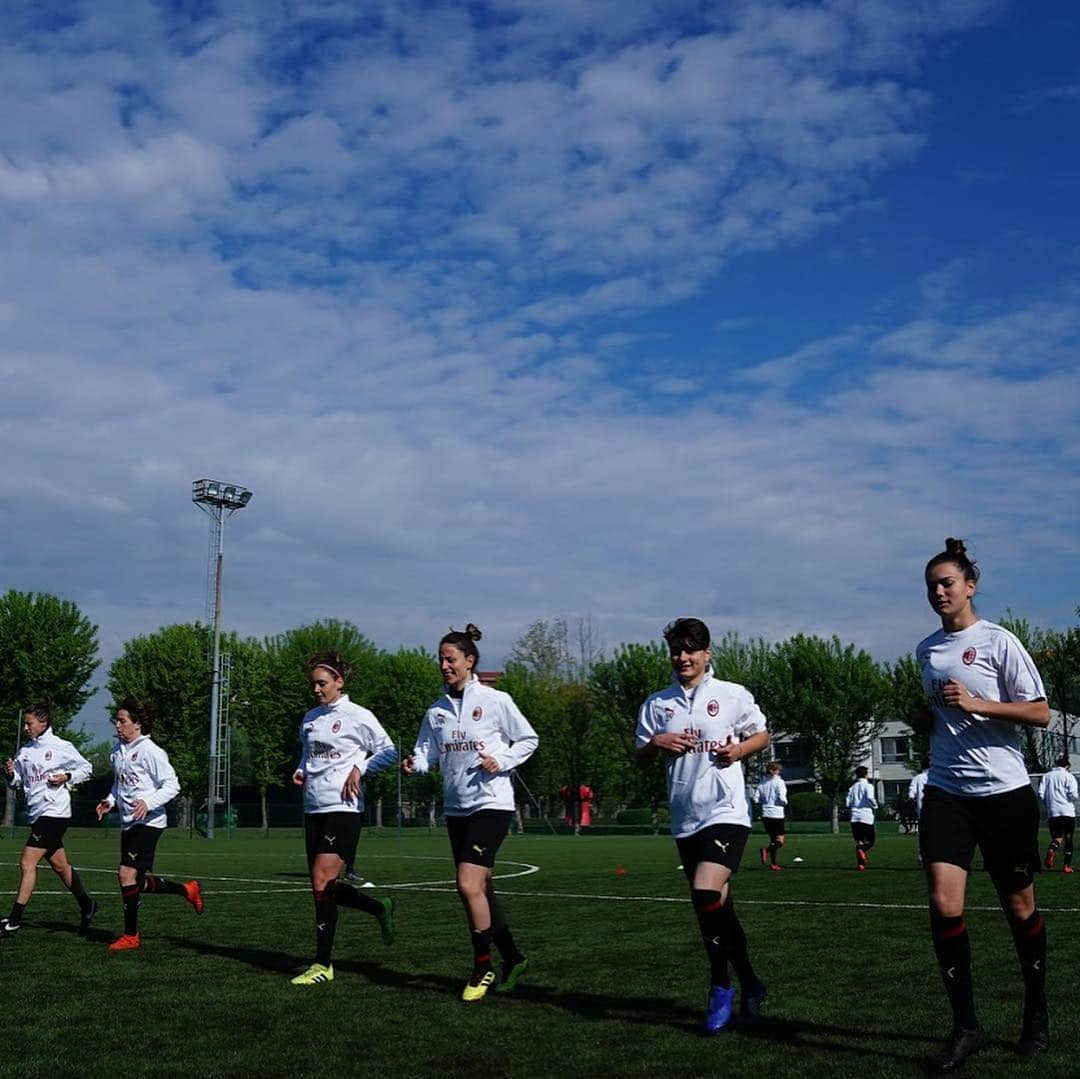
616, 985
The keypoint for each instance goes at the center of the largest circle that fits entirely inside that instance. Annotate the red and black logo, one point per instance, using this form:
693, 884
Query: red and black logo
713, 708
968, 657
48, 754
336, 727
477, 712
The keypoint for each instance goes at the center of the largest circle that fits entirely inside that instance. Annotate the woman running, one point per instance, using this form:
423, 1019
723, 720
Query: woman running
341, 742
981, 687
477, 737
705, 727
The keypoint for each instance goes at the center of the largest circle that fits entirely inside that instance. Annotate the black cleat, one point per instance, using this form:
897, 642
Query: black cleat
8, 928
1034, 1034
960, 1045
87, 916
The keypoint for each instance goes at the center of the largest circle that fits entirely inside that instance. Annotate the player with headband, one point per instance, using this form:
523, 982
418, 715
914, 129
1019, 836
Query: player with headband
981, 687
341, 742
704, 727
45, 767
476, 736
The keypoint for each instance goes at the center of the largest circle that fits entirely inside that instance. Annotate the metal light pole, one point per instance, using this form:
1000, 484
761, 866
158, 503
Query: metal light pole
219, 501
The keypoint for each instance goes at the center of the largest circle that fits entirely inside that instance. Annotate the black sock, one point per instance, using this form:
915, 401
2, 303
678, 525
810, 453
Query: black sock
129, 894
1068, 849
481, 946
774, 849
325, 925
160, 884
345, 895
1055, 844
716, 930
15, 917
740, 952
500, 932
78, 891
953, 950
1029, 936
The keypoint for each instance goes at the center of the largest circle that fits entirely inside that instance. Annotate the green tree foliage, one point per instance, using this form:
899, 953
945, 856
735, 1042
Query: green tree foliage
1058, 657
828, 695
904, 701
1038, 745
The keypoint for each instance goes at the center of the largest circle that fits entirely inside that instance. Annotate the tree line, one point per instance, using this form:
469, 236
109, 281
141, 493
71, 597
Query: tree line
830, 696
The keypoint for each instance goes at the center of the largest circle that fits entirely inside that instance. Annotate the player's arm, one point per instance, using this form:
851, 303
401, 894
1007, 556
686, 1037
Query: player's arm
425, 754
518, 731
1034, 713
166, 784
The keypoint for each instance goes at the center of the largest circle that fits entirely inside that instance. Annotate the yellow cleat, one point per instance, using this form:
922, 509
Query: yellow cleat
316, 974
475, 992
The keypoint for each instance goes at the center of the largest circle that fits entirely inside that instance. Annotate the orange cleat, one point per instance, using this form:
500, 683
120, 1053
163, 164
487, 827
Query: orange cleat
125, 943
1067, 869
776, 868
193, 894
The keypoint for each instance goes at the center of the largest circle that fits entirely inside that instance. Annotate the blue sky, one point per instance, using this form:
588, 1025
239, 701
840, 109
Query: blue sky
517, 311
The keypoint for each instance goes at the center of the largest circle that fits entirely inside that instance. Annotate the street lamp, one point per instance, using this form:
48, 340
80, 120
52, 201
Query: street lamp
218, 501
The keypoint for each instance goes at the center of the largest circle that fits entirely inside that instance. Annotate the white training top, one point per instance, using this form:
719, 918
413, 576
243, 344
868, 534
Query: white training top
772, 797
974, 755
917, 790
40, 758
335, 738
1058, 790
142, 772
454, 734
700, 792
861, 801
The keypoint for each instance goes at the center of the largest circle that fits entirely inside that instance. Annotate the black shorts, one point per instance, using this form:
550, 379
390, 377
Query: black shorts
864, 833
332, 833
137, 846
719, 843
1061, 827
47, 833
774, 826
1005, 827
476, 838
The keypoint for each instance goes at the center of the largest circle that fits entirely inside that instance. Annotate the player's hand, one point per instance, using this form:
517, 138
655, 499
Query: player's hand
9, 767
298, 778
489, 765
102, 808
728, 753
351, 790
57, 779
408, 765
956, 695
674, 743
139, 810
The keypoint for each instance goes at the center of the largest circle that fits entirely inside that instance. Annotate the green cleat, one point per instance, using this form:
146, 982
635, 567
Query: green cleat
316, 974
385, 918
511, 974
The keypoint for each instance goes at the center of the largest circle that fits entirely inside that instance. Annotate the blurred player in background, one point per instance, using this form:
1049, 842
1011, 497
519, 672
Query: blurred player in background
916, 792
44, 768
981, 687
704, 727
477, 736
341, 742
1058, 791
143, 785
772, 799
862, 803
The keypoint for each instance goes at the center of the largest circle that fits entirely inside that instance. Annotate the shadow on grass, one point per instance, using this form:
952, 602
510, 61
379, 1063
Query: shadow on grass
95, 934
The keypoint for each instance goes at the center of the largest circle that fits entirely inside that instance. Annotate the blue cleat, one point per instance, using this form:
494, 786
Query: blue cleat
719, 1010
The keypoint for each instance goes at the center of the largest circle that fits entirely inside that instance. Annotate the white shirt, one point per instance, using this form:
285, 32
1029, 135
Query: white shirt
861, 802
40, 758
334, 738
772, 797
974, 755
454, 734
1058, 790
700, 793
142, 772
917, 791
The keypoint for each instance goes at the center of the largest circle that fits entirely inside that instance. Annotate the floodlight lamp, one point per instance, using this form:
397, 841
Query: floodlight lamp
215, 493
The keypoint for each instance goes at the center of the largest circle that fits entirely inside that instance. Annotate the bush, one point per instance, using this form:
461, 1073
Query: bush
643, 816
809, 805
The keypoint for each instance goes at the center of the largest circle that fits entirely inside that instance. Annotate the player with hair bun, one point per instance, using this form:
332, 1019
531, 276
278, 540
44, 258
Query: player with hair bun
341, 742
772, 797
476, 736
705, 727
862, 803
144, 783
44, 767
981, 687
1059, 791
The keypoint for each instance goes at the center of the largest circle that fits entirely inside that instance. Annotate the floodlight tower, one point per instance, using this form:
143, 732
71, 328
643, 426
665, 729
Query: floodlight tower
218, 501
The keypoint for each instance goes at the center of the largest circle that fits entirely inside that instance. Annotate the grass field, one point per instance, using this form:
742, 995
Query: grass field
616, 986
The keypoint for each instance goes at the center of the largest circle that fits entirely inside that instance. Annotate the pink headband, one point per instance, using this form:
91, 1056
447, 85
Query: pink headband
326, 667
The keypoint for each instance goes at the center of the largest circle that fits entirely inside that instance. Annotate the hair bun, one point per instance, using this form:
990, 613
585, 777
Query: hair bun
955, 546
473, 632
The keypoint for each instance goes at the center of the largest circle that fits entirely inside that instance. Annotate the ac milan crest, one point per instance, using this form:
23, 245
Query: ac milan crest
48, 754
968, 657
477, 712
336, 727
713, 707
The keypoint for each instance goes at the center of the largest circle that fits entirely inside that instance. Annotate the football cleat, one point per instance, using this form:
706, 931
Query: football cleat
511, 973
385, 918
477, 986
752, 999
1034, 1034
960, 1045
1048, 861
86, 916
1067, 869
9, 928
719, 1009
316, 974
193, 894
126, 943
861, 858
776, 868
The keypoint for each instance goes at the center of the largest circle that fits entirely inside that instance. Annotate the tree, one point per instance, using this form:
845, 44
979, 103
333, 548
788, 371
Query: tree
1037, 743
1058, 657
828, 695
904, 701
48, 652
